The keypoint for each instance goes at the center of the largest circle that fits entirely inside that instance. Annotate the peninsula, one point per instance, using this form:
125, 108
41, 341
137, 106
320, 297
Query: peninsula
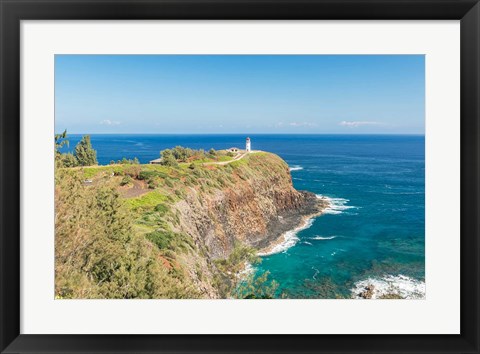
195, 219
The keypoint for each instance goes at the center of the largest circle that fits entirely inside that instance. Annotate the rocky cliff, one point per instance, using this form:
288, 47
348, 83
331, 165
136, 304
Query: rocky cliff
255, 206
193, 215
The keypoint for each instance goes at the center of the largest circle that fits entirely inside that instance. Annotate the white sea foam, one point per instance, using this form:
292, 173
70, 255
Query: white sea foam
296, 168
401, 285
336, 205
323, 237
247, 270
290, 239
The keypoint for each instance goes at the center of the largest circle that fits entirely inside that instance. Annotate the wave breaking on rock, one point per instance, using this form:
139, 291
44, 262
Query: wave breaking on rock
389, 287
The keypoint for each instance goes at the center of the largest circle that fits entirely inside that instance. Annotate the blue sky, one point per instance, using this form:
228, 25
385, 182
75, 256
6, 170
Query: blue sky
279, 94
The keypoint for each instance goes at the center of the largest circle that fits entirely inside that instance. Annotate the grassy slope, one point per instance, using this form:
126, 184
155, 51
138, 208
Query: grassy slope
156, 219
168, 185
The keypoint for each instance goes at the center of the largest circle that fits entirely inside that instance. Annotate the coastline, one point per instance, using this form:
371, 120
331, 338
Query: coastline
289, 238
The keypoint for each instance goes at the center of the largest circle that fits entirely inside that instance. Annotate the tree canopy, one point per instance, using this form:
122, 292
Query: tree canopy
84, 152
97, 252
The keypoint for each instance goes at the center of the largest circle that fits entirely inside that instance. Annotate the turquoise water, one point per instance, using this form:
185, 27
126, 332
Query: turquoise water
376, 226
375, 230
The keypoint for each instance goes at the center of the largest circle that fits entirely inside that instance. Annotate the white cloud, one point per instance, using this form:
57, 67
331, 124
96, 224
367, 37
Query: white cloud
302, 124
356, 124
109, 122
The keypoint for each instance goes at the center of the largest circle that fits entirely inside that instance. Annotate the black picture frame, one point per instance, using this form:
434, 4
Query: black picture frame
12, 12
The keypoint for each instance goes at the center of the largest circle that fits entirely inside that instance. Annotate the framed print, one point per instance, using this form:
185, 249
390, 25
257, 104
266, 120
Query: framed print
239, 176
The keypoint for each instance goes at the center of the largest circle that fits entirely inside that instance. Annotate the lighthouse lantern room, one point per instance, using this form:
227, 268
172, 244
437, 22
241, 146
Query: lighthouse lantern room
248, 146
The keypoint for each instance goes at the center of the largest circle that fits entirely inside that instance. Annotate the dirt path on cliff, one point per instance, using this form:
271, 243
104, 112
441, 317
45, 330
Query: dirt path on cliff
236, 158
136, 189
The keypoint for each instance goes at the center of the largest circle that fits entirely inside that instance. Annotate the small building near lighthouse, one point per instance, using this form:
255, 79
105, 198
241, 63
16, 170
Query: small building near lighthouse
248, 145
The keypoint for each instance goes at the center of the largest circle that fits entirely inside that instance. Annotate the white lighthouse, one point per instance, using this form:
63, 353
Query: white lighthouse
248, 146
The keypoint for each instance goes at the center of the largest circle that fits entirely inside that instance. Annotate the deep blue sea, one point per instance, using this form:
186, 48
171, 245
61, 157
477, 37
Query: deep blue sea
374, 232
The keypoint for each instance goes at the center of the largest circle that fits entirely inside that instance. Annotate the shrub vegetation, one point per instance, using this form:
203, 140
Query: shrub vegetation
109, 245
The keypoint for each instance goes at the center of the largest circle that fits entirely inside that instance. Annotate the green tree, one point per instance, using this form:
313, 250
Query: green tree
256, 286
68, 160
97, 252
84, 152
168, 158
229, 269
61, 140
179, 153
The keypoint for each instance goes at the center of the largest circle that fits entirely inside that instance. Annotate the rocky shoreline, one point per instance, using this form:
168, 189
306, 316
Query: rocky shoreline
291, 221
255, 205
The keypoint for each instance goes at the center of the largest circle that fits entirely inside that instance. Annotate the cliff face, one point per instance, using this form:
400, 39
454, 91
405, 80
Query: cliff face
191, 216
255, 208
258, 208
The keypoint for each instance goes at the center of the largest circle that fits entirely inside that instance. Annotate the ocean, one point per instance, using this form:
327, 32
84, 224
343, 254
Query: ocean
374, 231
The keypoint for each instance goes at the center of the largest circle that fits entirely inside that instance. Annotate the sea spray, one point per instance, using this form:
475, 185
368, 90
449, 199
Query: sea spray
247, 270
289, 239
323, 237
399, 285
337, 205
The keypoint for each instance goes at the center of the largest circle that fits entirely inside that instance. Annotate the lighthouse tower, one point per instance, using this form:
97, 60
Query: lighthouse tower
248, 147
